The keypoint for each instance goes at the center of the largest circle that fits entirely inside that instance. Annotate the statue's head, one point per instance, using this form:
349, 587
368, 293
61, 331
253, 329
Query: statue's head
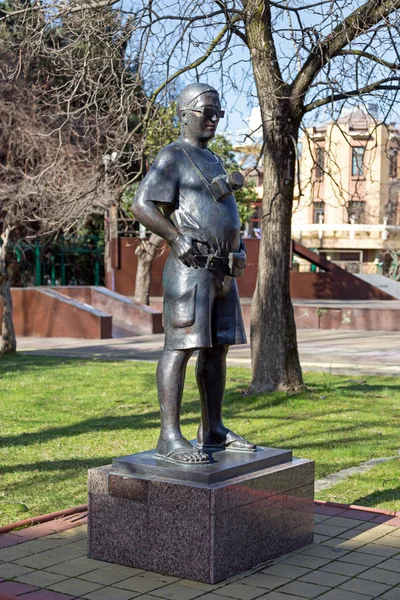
199, 111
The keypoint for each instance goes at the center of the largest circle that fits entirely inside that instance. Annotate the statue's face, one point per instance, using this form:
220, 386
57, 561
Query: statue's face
199, 126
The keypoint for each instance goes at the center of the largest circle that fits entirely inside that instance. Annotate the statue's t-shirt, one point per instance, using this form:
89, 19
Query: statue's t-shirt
176, 184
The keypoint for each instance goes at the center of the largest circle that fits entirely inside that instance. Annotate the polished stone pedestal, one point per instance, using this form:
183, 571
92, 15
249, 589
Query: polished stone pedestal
244, 509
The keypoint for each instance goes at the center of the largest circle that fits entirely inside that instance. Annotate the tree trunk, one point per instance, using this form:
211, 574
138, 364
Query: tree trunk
273, 331
275, 358
145, 252
8, 340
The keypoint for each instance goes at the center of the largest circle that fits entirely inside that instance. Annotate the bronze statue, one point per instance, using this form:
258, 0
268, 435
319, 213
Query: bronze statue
186, 198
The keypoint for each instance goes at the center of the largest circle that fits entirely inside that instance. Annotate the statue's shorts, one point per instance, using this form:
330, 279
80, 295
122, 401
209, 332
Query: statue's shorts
201, 308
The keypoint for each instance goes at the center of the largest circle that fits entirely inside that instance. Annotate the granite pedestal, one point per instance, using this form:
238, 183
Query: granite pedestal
204, 522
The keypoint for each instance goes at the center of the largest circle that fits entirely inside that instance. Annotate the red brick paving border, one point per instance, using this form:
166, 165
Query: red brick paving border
37, 531
343, 507
16, 589
45, 595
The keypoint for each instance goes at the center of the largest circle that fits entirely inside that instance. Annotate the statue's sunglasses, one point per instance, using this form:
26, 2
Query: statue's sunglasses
207, 111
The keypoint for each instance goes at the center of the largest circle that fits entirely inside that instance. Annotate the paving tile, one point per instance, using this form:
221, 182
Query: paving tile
131, 571
343, 522
351, 534
40, 578
75, 587
390, 540
10, 570
111, 593
10, 588
342, 544
343, 568
210, 596
360, 558
105, 576
76, 567
65, 552
150, 597
328, 510
287, 571
7, 540
393, 594
140, 584
370, 536
277, 596
392, 564
45, 595
241, 591
61, 526
79, 545
362, 515
264, 580
304, 560
303, 589
366, 526
381, 576
395, 521
362, 586
325, 552
65, 536
37, 561
160, 577
330, 530
383, 529
13, 553
395, 532
379, 550
339, 594
175, 591
41, 545
324, 578
200, 585
318, 518
318, 538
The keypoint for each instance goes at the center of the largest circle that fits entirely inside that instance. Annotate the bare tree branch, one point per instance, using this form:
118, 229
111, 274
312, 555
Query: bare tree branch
360, 20
377, 85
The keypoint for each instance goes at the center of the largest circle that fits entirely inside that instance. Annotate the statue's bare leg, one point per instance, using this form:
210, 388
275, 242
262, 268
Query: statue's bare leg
172, 445
211, 379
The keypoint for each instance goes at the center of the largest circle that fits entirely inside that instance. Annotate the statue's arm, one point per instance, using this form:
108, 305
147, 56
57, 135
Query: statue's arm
149, 215
159, 187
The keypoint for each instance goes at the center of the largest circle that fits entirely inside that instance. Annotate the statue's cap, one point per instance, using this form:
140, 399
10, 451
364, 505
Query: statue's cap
191, 92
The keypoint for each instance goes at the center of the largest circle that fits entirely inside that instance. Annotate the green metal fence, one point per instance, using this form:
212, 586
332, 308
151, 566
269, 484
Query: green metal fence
65, 261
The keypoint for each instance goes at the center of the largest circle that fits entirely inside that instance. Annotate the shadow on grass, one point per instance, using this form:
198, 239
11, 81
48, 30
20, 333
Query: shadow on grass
17, 363
71, 464
151, 420
378, 497
365, 388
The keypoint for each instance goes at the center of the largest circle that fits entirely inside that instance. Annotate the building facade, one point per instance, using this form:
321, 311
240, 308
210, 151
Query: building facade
347, 204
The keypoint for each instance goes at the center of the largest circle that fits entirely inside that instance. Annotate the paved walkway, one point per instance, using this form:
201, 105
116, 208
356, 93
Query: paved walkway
348, 352
355, 556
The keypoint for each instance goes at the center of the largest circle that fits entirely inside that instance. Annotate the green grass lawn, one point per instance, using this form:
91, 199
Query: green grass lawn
61, 417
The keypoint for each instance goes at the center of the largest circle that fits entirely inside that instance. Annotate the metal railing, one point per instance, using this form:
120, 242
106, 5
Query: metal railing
351, 229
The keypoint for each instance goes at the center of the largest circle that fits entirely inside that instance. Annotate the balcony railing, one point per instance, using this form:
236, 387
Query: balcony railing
322, 230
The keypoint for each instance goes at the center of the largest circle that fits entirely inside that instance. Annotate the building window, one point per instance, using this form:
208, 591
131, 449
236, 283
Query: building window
393, 162
319, 163
318, 212
357, 161
356, 211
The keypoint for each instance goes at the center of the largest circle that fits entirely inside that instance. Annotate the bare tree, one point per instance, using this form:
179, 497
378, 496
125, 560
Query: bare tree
47, 184
302, 57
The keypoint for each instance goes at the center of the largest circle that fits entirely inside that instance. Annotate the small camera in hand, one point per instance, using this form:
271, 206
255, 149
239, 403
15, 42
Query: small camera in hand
225, 185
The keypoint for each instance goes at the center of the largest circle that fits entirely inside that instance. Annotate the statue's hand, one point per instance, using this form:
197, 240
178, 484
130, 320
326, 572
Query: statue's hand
183, 249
